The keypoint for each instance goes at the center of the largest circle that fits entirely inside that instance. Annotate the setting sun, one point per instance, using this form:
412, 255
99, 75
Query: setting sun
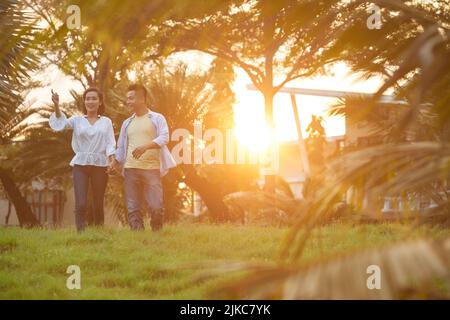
249, 117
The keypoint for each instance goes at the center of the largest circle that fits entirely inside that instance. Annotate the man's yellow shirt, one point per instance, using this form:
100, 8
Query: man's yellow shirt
141, 131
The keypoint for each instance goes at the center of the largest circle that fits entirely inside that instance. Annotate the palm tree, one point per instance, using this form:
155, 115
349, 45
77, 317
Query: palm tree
273, 42
411, 166
16, 60
415, 43
399, 167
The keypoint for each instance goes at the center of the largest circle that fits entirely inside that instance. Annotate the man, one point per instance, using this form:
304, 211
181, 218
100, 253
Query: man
145, 158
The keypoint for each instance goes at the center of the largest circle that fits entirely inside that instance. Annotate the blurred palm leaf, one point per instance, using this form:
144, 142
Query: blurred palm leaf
16, 58
415, 168
409, 269
409, 168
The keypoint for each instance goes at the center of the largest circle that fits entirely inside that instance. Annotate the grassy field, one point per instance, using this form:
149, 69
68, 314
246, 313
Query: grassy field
119, 264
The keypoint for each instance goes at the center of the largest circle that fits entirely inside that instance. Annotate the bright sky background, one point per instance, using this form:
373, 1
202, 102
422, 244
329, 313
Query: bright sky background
249, 109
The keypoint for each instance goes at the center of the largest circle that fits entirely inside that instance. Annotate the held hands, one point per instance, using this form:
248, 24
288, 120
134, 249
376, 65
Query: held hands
113, 167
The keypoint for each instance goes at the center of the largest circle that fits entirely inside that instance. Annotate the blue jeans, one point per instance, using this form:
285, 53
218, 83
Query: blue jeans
98, 178
144, 192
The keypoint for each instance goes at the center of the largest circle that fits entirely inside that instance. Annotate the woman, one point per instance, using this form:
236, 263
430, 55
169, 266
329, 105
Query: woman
94, 145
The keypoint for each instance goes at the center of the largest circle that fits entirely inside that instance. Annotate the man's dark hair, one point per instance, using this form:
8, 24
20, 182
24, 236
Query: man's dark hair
138, 87
101, 107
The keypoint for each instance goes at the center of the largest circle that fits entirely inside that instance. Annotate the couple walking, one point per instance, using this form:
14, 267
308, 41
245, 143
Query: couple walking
141, 156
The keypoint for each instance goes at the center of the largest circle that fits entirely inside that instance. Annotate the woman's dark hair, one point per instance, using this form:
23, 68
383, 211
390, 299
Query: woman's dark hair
101, 107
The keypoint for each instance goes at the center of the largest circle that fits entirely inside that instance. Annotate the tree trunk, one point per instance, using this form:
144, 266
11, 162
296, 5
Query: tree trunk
23, 210
268, 34
269, 179
210, 194
8, 214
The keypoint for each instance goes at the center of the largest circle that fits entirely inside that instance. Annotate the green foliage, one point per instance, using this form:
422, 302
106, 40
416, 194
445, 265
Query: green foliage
264, 38
17, 60
413, 165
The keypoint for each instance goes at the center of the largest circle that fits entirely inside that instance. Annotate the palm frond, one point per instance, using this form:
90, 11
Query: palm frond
408, 269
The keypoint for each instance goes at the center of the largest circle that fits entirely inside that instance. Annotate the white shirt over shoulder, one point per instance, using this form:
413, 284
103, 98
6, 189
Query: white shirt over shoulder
92, 143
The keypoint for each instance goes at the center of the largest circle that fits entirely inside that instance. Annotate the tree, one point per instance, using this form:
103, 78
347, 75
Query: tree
267, 39
113, 36
403, 166
412, 50
16, 60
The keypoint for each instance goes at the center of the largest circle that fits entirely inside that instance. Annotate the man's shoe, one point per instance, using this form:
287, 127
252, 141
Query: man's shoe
157, 217
135, 221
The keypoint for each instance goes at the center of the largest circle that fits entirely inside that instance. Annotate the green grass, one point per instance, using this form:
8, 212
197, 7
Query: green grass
120, 264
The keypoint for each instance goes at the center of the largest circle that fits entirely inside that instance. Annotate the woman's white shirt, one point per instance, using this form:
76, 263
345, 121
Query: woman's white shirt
92, 144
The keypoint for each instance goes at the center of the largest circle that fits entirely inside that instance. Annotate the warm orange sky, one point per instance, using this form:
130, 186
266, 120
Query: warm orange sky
249, 110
